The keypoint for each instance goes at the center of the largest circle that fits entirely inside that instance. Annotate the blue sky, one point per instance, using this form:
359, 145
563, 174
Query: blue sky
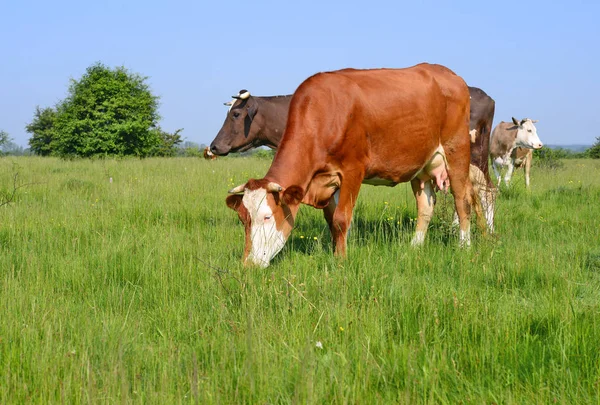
537, 59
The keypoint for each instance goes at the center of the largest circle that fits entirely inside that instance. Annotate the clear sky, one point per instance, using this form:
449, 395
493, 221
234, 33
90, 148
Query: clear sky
537, 59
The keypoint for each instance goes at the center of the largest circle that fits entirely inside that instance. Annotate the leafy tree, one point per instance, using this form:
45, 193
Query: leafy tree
594, 151
4, 138
42, 129
168, 142
108, 112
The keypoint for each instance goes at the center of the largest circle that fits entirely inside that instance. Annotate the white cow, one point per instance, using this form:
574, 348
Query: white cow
512, 145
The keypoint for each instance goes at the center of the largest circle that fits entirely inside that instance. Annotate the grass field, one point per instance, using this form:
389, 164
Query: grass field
132, 291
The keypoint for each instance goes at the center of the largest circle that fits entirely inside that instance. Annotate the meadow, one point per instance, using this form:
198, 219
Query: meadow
121, 282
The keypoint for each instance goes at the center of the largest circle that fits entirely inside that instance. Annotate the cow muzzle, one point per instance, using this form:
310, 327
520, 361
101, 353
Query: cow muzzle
219, 150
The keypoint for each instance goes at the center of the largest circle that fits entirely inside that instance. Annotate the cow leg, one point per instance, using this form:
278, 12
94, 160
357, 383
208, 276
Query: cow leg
509, 171
425, 202
462, 189
339, 217
488, 203
329, 210
497, 167
527, 168
486, 194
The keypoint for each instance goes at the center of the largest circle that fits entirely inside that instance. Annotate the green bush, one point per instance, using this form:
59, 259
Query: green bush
594, 151
108, 112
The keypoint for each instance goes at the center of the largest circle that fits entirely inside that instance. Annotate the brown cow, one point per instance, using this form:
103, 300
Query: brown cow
256, 121
208, 155
512, 145
347, 127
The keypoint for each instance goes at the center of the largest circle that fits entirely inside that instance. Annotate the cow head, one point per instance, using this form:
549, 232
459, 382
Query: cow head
527, 136
238, 132
267, 212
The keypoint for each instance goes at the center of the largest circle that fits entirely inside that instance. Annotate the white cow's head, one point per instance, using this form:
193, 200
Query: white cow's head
267, 212
527, 136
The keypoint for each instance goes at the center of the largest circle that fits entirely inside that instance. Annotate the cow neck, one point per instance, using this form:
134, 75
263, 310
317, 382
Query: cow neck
276, 118
291, 167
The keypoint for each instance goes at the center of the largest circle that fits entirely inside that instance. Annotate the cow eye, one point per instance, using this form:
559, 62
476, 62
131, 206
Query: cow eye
236, 114
529, 130
267, 217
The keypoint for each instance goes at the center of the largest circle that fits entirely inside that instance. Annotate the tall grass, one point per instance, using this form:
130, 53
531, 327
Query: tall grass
132, 290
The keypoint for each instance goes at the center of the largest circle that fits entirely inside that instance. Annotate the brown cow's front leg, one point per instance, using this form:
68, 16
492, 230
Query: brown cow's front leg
339, 216
425, 202
328, 213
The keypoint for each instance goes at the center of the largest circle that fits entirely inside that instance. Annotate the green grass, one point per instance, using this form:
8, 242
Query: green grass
133, 291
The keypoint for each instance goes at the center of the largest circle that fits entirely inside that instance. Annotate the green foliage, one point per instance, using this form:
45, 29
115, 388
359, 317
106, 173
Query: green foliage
42, 129
594, 151
133, 291
108, 112
4, 138
549, 158
168, 142
264, 154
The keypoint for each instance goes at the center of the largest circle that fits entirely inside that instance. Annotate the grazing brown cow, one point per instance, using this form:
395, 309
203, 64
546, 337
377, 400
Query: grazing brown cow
256, 121
208, 155
512, 145
348, 127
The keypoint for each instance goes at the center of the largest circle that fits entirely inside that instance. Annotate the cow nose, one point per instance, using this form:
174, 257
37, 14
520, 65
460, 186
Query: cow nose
214, 149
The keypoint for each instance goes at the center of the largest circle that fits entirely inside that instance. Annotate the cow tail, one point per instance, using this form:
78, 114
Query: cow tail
478, 180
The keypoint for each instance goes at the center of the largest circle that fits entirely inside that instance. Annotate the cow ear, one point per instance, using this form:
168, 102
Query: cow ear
252, 110
515, 121
234, 201
293, 195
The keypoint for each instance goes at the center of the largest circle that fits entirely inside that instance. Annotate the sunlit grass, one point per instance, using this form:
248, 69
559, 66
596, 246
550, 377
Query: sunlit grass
132, 290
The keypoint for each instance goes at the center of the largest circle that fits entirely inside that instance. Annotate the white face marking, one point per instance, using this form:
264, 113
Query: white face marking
266, 240
527, 136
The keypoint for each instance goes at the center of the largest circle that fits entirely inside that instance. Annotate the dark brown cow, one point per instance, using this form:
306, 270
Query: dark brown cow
270, 117
348, 127
251, 122
208, 155
480, 128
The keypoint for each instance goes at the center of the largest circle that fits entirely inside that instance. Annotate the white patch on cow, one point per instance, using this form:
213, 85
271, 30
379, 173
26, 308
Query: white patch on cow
266, 240
473, 134
418, 239
464, 237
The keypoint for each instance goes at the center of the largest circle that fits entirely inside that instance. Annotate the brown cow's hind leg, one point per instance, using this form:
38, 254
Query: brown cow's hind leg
425, 197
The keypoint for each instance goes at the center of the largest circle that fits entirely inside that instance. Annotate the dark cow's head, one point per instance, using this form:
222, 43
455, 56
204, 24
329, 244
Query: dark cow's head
239, 132
267, 212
